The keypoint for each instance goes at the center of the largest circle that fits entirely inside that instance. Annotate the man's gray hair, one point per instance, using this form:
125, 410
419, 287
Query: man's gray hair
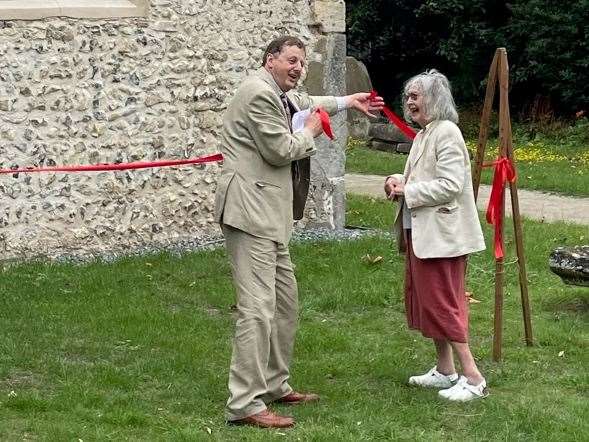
437, 96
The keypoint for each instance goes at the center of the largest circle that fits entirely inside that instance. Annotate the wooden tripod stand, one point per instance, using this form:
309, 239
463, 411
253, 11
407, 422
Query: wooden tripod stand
499, 73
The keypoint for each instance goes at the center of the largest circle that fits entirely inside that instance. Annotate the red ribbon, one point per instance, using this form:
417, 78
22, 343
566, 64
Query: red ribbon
393, 118
504, 172
118, 166
325, 122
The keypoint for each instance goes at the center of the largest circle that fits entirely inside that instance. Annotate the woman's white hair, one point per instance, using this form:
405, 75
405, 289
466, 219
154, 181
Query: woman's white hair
437, 96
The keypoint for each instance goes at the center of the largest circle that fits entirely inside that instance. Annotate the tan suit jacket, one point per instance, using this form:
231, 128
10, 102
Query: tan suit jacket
438, 190
255, 190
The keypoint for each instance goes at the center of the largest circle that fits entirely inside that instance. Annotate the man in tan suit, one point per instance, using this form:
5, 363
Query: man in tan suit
262, 188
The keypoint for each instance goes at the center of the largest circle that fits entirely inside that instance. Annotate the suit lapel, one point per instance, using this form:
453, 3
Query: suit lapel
293, 106
423, 136
413, 159
267, 77
300, 169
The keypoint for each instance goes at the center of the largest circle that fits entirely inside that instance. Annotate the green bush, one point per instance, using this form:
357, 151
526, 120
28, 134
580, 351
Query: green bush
546, 43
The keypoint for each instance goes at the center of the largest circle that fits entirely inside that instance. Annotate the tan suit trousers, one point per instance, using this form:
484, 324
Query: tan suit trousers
267, 309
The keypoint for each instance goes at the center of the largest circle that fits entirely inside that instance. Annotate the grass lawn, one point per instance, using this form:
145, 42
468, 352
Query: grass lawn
555, 163
139, 349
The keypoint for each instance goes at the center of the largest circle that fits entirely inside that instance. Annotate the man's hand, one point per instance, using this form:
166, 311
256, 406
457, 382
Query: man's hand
313, 124
362, 102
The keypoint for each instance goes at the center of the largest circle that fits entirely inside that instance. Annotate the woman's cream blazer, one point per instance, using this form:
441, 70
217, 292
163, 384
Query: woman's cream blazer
438, 190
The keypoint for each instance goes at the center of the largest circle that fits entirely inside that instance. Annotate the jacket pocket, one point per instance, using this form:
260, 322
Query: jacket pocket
265, 184
447, 210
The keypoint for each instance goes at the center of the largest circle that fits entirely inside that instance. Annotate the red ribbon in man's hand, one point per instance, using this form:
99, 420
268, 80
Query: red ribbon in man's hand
393, 118
504, 172
325, 122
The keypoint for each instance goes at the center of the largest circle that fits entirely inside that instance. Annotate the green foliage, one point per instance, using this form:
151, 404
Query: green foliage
552, 157
549, 50
547, 44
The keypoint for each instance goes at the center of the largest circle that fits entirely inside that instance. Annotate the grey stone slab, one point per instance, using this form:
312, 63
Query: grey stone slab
387, 132
404, 147
357, 80
571, 264
383, 146
327, 76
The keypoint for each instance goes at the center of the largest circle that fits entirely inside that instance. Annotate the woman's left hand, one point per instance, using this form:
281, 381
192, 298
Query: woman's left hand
398, 189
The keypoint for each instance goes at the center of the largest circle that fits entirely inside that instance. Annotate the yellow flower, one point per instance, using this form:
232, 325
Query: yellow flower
531, 153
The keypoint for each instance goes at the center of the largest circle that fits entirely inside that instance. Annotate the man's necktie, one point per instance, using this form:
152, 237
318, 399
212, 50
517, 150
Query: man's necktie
287, 109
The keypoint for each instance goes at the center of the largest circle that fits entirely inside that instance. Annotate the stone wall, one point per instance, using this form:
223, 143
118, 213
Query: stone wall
77, 91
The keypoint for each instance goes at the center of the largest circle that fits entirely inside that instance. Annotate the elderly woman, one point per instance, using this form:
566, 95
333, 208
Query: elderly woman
438, 226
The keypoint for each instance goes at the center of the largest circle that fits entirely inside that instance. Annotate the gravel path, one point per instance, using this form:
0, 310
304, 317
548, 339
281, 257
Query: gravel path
535, 205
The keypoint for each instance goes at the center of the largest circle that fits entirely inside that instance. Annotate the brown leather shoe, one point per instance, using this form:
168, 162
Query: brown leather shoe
265, 419
295, 398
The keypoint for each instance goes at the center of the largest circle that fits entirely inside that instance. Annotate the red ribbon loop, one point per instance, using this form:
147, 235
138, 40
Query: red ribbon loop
325, 122
504, 172
118, 166
393, 118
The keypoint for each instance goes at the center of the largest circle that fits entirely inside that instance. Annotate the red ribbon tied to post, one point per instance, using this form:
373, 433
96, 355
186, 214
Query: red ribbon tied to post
393, 118
325, 122
504, 172
117, 166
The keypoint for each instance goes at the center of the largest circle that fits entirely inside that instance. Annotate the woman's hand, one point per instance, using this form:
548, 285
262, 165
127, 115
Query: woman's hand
390, 184
399, 189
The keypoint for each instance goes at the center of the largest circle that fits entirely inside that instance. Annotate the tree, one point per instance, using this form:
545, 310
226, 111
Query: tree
546, 43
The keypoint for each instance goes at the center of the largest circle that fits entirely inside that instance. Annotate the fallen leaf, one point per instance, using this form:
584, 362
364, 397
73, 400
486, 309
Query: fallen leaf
471, 300
372, 259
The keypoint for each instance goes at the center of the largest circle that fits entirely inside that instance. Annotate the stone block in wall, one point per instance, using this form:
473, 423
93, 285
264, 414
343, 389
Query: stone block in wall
357, 80
327, 76
329, 15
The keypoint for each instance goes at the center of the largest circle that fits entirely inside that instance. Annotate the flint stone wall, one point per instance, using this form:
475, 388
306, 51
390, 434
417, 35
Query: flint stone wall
78, 91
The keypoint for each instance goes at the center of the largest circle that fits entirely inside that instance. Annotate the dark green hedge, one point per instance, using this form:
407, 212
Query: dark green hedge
546, 41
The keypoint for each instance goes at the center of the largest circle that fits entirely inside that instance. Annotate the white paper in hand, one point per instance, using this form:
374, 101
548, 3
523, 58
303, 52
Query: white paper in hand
298, 120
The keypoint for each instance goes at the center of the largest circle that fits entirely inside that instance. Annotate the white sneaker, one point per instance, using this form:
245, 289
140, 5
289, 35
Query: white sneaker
434, 379
464, 392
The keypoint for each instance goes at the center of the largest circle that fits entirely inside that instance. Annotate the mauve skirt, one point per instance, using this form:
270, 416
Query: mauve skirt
435, 300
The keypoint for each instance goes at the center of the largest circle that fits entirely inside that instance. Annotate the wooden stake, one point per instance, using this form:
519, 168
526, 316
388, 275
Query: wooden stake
484, 129
499, 73
517, 223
